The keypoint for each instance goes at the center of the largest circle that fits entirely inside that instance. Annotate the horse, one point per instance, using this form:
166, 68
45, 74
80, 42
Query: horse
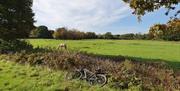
62, 46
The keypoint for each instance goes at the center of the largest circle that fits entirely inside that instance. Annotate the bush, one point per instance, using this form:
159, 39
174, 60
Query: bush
9, 46
169, 31
172, 37
41, 32
149, 76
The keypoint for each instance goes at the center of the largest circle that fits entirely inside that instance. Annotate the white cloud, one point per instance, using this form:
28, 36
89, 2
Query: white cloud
82, 14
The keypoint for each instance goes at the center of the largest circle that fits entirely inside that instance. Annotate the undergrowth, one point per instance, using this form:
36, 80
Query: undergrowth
123, 73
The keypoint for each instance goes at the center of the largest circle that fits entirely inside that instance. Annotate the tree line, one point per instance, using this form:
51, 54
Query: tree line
61, 33
74, 34
169, 31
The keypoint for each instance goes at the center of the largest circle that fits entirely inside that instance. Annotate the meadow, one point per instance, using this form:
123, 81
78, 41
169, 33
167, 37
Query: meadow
138, 49
16, 77
31, 77
32, 57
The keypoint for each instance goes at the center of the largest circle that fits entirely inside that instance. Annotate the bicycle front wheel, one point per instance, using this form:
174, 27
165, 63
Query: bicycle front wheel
73, 75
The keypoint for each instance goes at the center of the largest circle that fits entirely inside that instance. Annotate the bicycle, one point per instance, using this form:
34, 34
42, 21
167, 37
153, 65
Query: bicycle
98, 77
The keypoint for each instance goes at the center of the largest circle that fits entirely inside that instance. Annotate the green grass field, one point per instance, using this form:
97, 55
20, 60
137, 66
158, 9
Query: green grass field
145, 49
15, 77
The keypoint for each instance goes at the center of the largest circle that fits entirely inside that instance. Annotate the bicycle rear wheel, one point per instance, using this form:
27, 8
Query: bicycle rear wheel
92, 80
98, 79
101, 79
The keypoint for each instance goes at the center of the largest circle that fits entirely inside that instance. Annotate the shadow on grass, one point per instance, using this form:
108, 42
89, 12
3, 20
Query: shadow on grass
172, 64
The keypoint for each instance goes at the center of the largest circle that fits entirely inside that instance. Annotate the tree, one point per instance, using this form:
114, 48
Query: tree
174, 28
16, 19
174, 25
141, 7
169, 31
41, 32
91, 35
64, 33
60, 33
128, 36
116, 36
141, 36
51, 33
108, 35
158, 31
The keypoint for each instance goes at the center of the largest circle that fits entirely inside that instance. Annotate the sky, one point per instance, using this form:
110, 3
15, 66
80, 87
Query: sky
98, 16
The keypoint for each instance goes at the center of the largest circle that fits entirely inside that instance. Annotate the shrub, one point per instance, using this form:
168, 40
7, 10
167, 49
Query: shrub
172, 37
9, 46
124, 73
41, 32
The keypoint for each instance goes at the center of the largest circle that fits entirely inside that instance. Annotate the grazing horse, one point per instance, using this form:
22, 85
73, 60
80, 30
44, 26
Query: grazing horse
62, 46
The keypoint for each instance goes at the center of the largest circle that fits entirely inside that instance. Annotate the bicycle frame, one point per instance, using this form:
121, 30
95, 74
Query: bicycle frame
92, 77
87, 74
